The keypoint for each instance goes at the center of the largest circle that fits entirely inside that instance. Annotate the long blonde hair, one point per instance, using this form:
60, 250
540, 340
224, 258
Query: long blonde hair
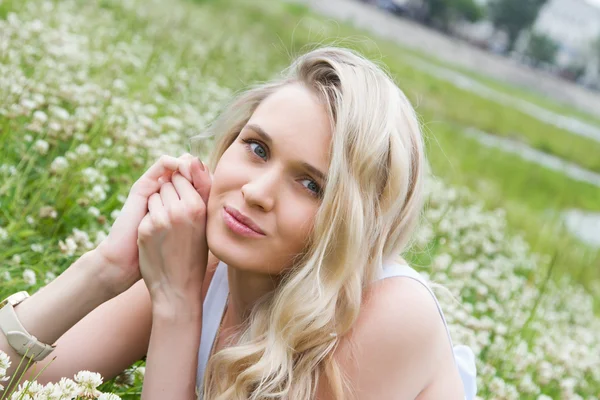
371, 203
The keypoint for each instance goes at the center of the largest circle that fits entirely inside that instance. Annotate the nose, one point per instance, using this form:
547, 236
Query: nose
260, 190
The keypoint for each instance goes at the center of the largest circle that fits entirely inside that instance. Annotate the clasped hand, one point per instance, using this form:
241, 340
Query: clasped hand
173, 251
160, 235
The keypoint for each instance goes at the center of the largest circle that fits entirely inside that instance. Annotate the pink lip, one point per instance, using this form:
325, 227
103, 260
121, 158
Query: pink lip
241, 224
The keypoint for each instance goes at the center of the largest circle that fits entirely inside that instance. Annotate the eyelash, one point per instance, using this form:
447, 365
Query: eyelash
248, 142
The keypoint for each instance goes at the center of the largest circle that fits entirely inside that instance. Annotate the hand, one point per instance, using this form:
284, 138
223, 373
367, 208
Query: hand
173, 251
120, 250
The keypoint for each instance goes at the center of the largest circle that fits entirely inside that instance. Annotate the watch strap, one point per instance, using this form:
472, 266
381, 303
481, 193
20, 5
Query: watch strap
17, 336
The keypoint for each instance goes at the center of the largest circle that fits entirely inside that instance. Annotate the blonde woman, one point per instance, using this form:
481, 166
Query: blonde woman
273, 272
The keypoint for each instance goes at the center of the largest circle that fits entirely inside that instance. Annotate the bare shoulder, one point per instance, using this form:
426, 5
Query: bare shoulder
394, 349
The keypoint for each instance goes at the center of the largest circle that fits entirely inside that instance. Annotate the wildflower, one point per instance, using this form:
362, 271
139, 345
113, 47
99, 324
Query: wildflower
3, 234
69, 388
88, 382
6, 276
94, 211
59, 164
29, 277
30, 220
83, 149
108, 396
41, 146
38, 248
50, 276
68, 247
40, 117
48, 212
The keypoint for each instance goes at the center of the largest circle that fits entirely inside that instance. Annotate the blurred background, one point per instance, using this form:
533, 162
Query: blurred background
92, 92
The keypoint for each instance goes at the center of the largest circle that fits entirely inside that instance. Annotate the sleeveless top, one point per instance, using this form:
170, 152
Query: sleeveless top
214, 306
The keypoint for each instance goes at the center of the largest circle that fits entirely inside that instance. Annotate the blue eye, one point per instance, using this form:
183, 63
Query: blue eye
313, 187
255, 148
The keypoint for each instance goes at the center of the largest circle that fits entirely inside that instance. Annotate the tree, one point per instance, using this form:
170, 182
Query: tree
541, 49
513, 16
443, 12
595, 50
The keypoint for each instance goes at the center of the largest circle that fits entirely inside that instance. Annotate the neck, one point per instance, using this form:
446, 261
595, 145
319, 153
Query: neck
245, 288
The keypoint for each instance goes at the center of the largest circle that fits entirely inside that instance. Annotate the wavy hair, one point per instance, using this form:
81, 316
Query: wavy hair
371, 203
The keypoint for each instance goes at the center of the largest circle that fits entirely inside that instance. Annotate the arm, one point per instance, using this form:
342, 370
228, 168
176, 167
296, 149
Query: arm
172, 359
54, 309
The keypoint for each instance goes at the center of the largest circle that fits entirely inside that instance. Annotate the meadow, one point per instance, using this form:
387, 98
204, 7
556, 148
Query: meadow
92, 92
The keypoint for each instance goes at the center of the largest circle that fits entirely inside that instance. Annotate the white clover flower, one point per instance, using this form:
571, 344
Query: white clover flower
108, 396
40, 117
94, 211
100, 236
97, 193
38, 248
88, 382
6, 276
50, 276
69, 388
83, 149
41, 146
60, 113
59, 164
140, 372
4, 362
29, 277
27, 390
68, 247
16, 259
30, 220
3, 234
48, 212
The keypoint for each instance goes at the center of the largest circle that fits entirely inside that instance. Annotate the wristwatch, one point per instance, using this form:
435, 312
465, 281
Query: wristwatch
22, 341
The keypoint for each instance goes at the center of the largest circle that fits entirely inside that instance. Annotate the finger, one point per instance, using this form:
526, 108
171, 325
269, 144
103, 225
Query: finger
157, 210
184, 188
155, 203
202, 179
169, 195
184, 168
162, 167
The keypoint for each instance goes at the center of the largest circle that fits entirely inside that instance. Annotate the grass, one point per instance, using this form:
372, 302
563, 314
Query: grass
167, 70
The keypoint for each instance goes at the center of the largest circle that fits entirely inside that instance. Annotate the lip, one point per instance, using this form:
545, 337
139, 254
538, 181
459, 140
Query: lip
236, 220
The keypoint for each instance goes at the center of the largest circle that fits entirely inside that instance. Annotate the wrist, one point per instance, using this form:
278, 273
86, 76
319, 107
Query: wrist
174, 305
108, 275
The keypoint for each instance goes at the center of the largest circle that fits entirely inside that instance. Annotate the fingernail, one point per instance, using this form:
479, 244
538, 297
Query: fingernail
202, 166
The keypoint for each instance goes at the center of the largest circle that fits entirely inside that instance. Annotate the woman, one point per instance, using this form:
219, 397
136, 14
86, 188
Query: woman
281, 266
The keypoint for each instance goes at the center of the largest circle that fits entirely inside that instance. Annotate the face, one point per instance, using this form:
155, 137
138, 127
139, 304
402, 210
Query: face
270, 179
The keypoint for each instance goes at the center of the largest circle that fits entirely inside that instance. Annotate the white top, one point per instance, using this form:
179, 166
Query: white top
214, 306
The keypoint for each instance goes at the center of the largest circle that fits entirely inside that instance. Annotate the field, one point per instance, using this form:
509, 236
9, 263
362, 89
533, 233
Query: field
92, 92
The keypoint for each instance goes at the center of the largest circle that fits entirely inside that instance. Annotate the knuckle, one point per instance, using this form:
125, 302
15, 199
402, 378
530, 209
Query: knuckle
197, 209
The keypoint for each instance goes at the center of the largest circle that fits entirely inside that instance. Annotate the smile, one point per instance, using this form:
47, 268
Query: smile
232, 219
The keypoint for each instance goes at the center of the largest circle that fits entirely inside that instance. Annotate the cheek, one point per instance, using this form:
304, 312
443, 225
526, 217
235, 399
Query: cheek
299, 220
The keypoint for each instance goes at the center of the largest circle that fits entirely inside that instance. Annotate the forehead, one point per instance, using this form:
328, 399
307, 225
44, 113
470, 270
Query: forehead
298, 123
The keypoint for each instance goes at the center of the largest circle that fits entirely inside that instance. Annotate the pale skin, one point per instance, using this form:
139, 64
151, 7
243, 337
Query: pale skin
398, 348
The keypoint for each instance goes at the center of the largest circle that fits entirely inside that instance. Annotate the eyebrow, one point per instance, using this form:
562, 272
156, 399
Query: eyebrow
267, 138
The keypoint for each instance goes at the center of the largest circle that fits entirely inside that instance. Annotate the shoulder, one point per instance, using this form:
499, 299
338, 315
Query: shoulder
397, 341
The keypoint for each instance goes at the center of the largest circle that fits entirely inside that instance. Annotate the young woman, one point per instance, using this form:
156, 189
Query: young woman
275, 275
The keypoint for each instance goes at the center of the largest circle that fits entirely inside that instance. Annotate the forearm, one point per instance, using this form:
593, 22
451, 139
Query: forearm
172, 358
55, 308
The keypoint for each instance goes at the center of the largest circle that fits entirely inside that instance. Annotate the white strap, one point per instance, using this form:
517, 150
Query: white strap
212, 311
